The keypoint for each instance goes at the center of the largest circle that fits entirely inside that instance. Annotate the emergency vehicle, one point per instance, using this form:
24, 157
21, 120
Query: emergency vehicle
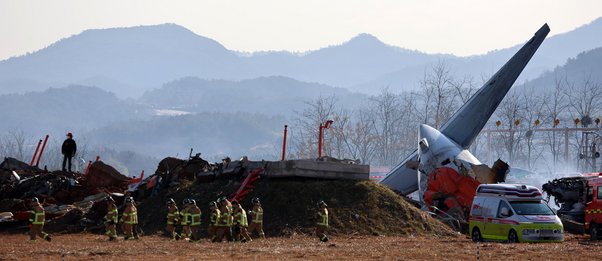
580, 202
513, 213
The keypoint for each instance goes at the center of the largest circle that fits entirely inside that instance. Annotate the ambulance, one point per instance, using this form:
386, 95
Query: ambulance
513, 213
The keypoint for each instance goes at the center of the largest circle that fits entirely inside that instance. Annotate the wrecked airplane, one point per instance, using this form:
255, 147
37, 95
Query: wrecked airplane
441, 169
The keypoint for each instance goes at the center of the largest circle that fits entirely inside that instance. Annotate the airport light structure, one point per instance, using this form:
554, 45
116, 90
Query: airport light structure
323, 126
284, 143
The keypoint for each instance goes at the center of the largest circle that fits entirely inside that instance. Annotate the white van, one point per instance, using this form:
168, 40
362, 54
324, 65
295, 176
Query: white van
513, 213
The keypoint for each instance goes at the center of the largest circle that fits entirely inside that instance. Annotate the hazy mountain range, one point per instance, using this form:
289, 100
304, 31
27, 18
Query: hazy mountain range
130, 61
586, 66
71, 108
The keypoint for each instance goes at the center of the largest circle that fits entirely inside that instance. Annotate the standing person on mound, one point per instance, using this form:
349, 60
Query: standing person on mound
68, 149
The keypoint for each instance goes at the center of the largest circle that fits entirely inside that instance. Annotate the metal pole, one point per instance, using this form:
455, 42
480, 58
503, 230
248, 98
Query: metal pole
35, 153
284, 143
320, 141
595, 169
88, 167
42, 151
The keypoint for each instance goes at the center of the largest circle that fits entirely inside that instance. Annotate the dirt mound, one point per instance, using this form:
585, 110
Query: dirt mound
361, 207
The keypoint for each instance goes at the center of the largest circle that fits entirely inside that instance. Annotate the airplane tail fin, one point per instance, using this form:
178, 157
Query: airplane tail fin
469, 120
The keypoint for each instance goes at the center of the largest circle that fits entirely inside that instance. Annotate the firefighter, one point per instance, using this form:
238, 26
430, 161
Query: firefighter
111, 219
224, 222
184, 220
37, 218
135, 225
129, 218
195, 221
173, 216
256, 215
230, 220
322, 224
213, 218
240, 222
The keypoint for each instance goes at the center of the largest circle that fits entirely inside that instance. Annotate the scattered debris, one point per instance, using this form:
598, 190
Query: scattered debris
66, 196
15, 164
76, 202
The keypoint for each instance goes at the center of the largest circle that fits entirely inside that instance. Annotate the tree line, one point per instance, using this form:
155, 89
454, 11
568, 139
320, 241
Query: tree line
384, 129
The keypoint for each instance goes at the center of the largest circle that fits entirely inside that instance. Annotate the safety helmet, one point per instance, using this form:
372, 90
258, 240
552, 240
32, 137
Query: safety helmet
322, 203
255, 200
185, 202
212, 204
35, 200
192, 202
171, 201
129, 200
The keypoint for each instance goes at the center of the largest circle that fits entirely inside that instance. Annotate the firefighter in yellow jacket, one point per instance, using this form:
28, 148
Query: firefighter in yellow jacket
185, 220
173, 216
256, 218
135, 226
111, 219
224, 222
322, 224
129, 218
195, 221
213, 218
229, 235
240, 222
37, 218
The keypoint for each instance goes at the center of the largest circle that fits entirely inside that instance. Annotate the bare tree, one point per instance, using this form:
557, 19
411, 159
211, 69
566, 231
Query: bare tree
304, 136
532, 106
364, 138
438, 93
14, 144
388, 119
338, 144
510, 112
585, 99
464, 88
555, 106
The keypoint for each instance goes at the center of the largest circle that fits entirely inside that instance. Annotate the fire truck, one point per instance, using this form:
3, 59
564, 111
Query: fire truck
580, 202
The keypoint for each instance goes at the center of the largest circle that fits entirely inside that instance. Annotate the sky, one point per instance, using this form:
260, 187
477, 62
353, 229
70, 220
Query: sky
460, 27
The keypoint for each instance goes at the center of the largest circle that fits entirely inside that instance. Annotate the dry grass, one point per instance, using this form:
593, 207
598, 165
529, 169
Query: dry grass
89, 246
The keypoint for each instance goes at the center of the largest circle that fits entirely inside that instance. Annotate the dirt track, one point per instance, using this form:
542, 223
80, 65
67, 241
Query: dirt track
89, 246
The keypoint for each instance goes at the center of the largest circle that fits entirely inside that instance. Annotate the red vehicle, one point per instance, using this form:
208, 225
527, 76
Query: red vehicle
580, 202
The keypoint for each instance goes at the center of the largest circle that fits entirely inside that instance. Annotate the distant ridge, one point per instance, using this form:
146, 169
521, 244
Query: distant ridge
130, 61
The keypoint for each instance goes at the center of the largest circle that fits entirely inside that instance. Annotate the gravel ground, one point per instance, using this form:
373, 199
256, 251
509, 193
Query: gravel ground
89, 246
